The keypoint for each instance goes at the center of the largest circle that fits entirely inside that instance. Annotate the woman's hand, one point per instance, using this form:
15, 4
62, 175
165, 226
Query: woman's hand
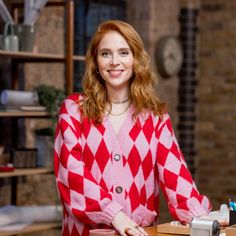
125, 226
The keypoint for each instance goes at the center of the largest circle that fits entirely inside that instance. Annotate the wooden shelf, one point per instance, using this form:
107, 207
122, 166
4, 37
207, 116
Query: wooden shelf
32, 57
24, 114
78, 58
25, 171
33, 228
37, 57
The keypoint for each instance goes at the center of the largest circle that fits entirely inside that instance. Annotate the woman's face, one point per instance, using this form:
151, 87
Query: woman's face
115, 61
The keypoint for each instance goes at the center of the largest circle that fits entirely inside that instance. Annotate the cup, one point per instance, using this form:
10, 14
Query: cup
9, 41
102, 232
26, 34
232, 217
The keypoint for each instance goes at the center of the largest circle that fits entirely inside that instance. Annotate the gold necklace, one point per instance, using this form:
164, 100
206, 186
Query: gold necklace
120, 102
118, 114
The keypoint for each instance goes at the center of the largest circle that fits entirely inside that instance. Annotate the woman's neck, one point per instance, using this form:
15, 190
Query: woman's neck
118, 97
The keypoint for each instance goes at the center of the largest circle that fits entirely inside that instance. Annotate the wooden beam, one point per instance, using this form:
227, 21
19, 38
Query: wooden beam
69, 45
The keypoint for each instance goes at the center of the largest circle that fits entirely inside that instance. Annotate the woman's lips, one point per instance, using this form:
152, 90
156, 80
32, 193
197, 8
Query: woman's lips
115, 73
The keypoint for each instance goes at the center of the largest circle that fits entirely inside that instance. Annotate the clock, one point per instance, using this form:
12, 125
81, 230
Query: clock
169, 56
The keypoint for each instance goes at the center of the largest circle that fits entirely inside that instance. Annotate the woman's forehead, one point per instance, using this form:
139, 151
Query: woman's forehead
113, 39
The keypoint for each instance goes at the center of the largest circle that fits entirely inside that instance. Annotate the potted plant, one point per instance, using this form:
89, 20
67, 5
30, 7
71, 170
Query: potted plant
51, 98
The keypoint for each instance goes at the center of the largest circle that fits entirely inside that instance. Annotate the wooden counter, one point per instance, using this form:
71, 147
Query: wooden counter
153, 231
185, 231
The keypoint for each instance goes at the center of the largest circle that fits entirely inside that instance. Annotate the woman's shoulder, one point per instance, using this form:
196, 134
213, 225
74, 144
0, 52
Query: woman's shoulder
159, 120
76, 97
71, 103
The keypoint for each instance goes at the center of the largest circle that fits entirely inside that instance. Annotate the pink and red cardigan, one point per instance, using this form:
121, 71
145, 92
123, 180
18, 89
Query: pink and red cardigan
100, 173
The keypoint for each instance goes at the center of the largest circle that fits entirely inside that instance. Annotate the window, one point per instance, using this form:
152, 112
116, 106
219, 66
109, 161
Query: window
88, 15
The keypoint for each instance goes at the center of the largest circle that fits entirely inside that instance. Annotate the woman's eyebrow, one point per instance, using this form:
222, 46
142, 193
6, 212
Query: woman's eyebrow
109, 49
104, 49
125, 49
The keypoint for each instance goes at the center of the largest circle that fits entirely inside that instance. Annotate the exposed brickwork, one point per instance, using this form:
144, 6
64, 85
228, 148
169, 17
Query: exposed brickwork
216, 129
161, 19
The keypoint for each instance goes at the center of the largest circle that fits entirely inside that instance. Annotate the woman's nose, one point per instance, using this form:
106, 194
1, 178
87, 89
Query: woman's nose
114, 60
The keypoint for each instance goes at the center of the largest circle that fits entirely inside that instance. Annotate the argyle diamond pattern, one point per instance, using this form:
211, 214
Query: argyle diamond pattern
88, 174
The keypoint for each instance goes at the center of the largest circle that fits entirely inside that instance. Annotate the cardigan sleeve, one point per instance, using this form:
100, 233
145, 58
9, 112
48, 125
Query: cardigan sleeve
184, 200
80, 194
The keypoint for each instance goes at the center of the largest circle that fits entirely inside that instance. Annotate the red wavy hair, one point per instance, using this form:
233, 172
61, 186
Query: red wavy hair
142, 84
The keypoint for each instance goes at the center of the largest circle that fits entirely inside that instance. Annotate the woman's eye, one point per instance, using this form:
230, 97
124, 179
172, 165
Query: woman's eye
105, 54
124, 53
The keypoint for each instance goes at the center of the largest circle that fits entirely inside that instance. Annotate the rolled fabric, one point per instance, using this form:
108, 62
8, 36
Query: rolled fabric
19, 98
11, 214
41, 213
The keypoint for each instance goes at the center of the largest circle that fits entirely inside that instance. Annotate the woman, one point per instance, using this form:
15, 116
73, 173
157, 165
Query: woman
115, 145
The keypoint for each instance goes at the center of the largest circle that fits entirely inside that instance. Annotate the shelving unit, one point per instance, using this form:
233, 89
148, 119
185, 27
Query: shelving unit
20, 114
24, 172
32, 57
69, 56
23, 57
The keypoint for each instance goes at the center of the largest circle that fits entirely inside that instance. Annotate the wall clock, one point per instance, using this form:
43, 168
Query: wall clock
169, 56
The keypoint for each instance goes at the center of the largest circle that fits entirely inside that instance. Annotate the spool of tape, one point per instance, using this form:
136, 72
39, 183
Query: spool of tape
204, 227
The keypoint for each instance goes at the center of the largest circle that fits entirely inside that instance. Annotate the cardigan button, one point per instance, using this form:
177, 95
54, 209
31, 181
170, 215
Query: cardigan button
117, 157
119, 189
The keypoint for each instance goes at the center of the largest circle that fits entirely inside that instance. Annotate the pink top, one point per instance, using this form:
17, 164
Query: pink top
99, 173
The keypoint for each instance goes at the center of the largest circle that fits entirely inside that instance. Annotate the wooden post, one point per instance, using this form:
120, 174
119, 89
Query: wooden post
69, 46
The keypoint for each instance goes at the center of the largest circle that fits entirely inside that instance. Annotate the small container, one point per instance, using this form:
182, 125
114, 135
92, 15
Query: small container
232, 217
102, 232
26, 35
9, 40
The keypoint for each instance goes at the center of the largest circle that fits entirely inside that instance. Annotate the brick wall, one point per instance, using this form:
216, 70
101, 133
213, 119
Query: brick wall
216, 129
152, 20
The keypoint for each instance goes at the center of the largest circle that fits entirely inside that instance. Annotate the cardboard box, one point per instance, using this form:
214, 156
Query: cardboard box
231, 230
